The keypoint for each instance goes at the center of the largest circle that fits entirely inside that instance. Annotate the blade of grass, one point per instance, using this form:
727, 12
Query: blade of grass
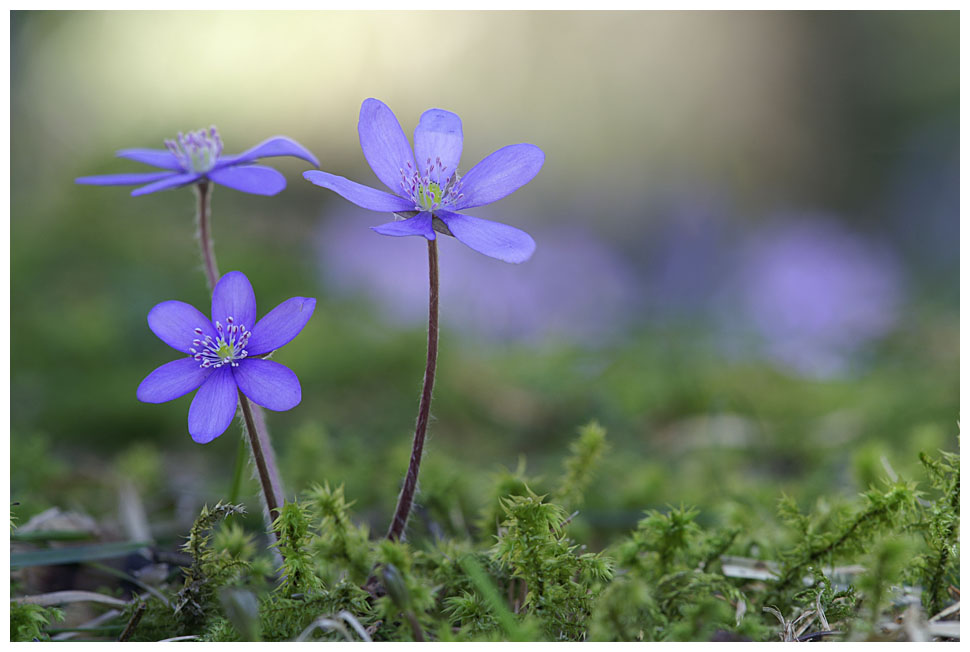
106, 617
103, 629
120, 574
75, 554
51, 535
490, 594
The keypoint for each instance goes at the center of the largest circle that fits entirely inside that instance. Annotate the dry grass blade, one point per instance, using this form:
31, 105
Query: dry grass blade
795, 634
353, 622
67, 597
788, 633
96, 622
327, 625
945, 629
822, 620
952, 609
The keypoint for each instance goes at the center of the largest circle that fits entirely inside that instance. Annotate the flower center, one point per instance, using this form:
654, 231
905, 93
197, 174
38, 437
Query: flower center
196, 151
427, 194
229, 347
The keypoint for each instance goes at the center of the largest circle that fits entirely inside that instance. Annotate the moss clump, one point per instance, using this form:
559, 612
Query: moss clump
522, 576
28, 621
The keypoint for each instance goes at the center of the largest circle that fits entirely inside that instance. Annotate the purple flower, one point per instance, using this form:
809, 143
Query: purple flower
198, 155
576, 288
428, 189
816, 293
225, 355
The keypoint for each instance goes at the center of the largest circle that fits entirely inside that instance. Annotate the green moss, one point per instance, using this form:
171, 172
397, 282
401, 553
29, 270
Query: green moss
526, 578
29, 621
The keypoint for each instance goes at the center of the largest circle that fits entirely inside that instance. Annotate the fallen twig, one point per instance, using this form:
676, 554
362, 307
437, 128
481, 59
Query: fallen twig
133, 622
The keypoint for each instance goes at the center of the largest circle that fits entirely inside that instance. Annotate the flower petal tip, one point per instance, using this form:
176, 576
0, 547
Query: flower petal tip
204, 437
309, 305
252, 179
268, 383
500, 174
420, 224
382, 231
383, 143
517, 258
493, 239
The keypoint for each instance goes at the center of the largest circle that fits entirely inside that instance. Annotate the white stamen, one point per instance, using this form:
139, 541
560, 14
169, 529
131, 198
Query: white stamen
228, 348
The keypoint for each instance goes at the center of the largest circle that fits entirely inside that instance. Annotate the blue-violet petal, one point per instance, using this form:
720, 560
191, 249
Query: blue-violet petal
254, 179
277, 146
384, 144
437, 137
233, 297
174, 322
160, 158
173, 181
171, 380
214, 406
268, 383
490, 238
124, 179
420, 224
363, 196
280, 325
500, 174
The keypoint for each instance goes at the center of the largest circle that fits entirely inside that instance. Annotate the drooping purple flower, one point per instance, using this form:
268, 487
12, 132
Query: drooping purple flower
198, 155
429, 192
225, 353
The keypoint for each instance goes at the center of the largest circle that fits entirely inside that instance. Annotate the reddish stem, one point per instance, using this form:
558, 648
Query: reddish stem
406, 499
203, 192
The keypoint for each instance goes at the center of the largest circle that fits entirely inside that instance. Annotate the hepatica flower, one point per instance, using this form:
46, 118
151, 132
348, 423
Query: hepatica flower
224, 354
197, 156
428, 190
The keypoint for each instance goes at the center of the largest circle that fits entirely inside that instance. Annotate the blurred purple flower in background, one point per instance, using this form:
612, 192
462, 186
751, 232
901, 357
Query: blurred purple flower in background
576, 287
198, 155
428, 189
223, 355
684, 256
816, 293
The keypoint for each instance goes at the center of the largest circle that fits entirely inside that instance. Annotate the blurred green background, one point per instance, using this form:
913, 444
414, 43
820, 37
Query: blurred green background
746, 269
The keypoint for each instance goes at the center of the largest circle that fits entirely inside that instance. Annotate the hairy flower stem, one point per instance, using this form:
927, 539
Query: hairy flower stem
406, 498
262, 453
203, 192
269, 475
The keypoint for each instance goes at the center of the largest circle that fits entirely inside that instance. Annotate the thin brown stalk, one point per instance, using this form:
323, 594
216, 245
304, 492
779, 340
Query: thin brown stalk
203, 192
406, 499
267, 474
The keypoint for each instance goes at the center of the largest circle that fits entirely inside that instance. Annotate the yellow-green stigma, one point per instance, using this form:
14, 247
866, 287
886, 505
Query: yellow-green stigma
430, 196
426, 193
225, 352
228, 347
